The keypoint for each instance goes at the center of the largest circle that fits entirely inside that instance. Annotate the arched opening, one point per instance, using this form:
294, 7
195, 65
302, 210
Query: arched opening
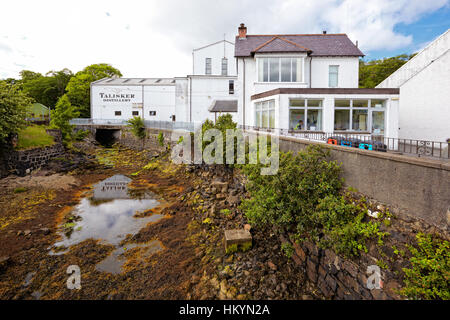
107, 137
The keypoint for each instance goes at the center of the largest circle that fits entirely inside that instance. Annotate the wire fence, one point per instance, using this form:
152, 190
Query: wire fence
152, 124
367, 141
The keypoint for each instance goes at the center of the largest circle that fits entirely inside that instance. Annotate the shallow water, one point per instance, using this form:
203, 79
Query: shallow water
109, 214
115, 261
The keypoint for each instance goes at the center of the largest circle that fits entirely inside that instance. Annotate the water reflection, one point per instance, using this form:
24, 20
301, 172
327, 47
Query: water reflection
108, 215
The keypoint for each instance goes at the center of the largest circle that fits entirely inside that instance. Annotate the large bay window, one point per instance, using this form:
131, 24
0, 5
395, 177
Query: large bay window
360, 115
265, 114
305, 114
280, 69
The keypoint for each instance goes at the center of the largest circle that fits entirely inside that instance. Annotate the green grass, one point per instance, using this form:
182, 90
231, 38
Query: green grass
33, 137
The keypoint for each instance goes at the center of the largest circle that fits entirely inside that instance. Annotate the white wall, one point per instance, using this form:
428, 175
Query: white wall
424, 82
347, 75
425, 103
348, 78
160, 98
104, 109
430, 53
216, 53
282, 110
198, 93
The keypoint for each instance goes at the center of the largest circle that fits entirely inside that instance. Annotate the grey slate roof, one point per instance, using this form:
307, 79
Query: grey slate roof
135, 81
223, 106
315, 44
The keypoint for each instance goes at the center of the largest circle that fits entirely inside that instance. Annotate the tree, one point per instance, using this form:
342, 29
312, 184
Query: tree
13, 104
373, 72
28, 75
78, 88
46, 89
64, 111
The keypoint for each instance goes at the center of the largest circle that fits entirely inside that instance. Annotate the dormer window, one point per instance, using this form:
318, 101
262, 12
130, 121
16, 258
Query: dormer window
280, 69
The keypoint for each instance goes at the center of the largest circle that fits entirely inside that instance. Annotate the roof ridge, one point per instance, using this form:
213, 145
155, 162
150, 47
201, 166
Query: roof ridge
298, 34
264, 44
295, 44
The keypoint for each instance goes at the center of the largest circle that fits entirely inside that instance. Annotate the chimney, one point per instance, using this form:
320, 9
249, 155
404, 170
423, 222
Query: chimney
324, 32
357, 43
242, 31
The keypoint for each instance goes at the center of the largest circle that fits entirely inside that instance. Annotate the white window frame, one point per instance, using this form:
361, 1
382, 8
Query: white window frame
264, 106
260, 60
226, 67
329, 76
369, 109
306, 108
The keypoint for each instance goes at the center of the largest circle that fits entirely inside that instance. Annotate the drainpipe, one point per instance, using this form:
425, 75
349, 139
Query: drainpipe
310, 71
190, 99
243, 94
143, 115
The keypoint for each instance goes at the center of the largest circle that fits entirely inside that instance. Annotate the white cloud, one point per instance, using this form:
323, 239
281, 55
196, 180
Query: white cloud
156, 38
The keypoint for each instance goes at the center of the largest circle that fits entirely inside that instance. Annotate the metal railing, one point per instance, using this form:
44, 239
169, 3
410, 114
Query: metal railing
163, 125
420, 148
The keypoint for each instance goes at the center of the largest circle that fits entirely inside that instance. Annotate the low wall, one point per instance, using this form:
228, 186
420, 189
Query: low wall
128, 139
414, 187
22, 162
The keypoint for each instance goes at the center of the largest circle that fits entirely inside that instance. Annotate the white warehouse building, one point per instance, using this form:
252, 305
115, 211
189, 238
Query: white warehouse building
207, 93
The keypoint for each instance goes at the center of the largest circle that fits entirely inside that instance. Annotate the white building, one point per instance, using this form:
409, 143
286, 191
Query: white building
301, 82
309, 83
124, 98
207, 93
424, 84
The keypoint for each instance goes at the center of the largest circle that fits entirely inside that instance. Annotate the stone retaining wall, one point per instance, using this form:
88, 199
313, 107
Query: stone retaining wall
22, 162
151, 142
414, 187
340, 278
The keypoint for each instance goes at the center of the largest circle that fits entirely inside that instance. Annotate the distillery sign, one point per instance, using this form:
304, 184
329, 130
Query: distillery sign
116, 97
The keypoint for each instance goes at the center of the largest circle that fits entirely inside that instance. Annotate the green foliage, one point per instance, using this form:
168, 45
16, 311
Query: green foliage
303, 197
225, 212
161, 139
223, 123
287, 249
373, 72
288, 198
33, 137
137, 127
80, 135
46, 89
13, 106
429, 276
64, 111
78, 88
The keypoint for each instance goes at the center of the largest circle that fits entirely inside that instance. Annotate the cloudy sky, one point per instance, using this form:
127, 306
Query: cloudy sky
155, 38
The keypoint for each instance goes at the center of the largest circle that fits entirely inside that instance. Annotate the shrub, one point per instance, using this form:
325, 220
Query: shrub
288, 198
429, 275
64, 111
288, 249
13, 104
223, 123
161, 139
137, 127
